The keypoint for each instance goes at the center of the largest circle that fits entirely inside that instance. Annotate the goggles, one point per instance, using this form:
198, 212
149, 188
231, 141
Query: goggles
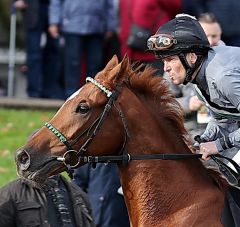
160, 42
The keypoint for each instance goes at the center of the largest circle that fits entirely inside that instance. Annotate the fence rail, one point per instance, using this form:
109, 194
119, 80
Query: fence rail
47, 104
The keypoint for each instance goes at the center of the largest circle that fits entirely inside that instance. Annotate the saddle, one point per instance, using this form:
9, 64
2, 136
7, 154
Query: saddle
231, 212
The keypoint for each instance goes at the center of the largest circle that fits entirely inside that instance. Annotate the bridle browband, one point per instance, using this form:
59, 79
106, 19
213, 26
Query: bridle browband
123, 157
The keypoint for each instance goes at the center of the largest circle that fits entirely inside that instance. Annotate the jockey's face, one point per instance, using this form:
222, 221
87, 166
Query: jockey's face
174, 67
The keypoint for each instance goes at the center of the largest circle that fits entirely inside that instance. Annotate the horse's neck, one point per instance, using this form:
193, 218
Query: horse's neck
156, 188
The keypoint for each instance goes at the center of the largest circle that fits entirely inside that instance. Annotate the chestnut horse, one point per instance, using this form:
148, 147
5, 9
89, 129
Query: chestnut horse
121, 114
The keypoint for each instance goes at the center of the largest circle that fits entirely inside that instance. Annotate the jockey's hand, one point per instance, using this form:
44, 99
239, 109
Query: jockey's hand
207, 149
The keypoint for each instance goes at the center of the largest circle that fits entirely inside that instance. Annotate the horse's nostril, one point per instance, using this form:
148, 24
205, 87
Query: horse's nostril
23, 160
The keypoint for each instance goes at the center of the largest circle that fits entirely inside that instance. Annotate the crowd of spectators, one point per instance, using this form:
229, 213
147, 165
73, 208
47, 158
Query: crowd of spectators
67, 40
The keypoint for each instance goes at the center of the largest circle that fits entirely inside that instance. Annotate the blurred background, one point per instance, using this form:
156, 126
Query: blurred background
20, 56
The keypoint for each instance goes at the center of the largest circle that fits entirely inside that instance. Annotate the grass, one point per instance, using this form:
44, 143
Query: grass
15, 127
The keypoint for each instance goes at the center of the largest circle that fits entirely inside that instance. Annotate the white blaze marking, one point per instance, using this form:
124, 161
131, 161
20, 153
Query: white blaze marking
74, 94
69, 98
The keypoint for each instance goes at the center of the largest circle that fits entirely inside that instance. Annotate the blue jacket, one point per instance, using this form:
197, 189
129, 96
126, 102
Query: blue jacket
84, 17
101, 185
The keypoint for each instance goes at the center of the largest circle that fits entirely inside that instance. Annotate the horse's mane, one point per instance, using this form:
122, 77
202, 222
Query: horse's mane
155, 92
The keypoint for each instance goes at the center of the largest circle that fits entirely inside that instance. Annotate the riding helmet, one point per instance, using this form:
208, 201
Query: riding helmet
180, 35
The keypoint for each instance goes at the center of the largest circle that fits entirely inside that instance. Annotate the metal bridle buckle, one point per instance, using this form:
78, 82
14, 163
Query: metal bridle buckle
72, 154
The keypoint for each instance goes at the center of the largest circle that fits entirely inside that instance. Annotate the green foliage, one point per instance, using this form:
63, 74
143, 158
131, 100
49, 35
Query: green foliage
15, 128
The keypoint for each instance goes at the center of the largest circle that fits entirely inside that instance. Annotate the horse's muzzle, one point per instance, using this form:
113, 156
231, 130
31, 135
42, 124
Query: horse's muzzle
23, 160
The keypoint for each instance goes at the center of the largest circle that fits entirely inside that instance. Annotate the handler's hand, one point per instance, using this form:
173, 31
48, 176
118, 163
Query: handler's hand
207, 149
53, 30
20, 4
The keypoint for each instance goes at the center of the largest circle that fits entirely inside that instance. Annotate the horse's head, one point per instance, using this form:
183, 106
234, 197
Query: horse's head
97, 120
73, 131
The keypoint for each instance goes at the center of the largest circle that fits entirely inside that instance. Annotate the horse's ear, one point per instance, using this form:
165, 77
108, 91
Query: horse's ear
119, 71
112, 63
123, 69
125, 63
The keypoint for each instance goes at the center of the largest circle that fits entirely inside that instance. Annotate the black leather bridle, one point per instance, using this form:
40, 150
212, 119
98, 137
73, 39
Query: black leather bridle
91, 131
124, 157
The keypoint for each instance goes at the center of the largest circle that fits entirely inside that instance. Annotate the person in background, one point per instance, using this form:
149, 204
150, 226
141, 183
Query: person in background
212, 28
84, 25
43, 60
196, 113
148, 15
112, 43
226, 12
215, 71
59, 203
102, 185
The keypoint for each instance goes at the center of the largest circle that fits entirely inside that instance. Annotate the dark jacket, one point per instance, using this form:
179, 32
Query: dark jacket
102, 185
226, 12
31, 14
22, 205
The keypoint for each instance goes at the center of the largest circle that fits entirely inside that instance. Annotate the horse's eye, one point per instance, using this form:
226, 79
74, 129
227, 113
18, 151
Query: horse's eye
82, 108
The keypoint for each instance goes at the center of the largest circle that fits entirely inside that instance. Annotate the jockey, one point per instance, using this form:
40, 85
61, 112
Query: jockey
183, 47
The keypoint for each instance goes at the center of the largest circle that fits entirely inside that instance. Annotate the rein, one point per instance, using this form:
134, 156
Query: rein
124, 157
